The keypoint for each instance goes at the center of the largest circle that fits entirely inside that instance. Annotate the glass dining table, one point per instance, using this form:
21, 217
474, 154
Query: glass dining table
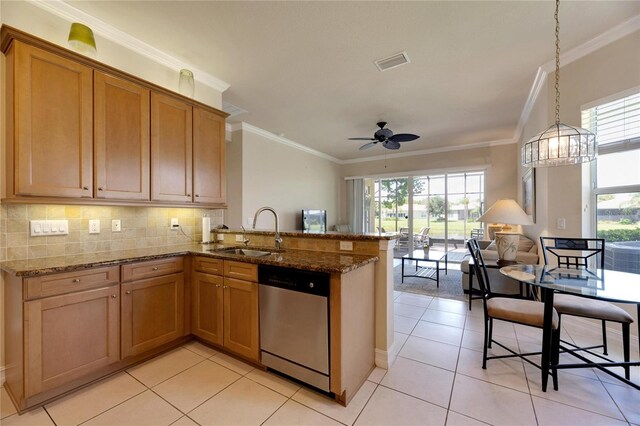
601, 284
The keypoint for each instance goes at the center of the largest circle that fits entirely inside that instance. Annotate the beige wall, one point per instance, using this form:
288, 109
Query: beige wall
282, 177
31, 19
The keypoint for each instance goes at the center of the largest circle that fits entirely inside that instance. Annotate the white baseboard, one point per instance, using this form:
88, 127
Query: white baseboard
385, 359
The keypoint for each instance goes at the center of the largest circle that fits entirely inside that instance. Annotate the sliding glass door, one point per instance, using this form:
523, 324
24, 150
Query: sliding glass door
433, 210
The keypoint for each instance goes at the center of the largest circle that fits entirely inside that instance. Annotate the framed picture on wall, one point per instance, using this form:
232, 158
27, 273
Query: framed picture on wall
529, 193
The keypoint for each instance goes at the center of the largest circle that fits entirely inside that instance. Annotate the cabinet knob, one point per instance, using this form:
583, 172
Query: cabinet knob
226, 286
218, 285
127, 292
197, 195
113, 296
85, 188
100, 188
188, 195
155, 268
75, 280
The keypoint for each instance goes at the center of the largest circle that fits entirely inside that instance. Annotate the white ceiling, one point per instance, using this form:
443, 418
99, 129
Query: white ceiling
305, 69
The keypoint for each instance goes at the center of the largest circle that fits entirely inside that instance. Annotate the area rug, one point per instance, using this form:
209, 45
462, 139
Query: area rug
450, 284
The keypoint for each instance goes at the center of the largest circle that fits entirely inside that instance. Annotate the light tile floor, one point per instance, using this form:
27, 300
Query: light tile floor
436, 380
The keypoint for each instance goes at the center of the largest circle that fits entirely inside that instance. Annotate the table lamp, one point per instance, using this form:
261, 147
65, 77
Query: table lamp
507, 212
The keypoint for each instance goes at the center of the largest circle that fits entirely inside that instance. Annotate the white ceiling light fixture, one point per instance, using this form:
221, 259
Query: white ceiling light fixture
392, 61
560, 144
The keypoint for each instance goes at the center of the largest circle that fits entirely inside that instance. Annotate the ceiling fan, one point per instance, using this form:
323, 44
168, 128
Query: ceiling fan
386, 137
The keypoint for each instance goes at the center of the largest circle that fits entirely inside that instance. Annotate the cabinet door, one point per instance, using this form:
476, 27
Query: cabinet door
53, 125
171, 149
207, 307
241, 318
121, 139
152, 313
209, 184
70, 336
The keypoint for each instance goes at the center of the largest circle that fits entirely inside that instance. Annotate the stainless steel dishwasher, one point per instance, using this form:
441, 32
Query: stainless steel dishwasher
294, 323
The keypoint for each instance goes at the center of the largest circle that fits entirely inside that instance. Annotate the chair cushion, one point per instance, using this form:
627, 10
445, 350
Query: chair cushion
590, 308
521, 311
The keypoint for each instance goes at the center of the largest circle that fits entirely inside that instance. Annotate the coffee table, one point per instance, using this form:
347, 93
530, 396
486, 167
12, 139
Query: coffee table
426, 272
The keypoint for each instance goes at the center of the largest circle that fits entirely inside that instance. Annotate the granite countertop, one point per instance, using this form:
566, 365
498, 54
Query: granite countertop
330, 235
290, 258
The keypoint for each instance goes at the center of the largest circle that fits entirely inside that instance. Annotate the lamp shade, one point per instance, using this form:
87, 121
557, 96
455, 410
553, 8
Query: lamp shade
506, 211
81, 39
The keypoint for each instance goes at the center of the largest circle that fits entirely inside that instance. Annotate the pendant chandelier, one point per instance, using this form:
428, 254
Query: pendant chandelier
560, 144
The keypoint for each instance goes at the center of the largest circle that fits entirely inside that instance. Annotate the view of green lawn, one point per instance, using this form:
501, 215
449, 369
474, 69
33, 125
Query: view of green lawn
456, 227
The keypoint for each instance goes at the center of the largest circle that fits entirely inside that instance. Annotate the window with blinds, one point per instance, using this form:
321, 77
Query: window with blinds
616, 125
616, 195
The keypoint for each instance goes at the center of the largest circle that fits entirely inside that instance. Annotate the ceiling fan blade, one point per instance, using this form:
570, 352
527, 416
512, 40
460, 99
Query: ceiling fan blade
361, 139
403, 137
391, 144
367, 145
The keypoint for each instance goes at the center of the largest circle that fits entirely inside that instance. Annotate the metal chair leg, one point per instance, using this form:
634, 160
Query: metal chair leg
604, 337
486, 343
490, 331
555, 356
625, 349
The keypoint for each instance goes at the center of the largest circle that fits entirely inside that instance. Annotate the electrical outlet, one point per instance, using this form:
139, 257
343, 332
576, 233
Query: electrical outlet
220, 237
115, 225
249, 221
561, 223
346, 245
239, 238
94, 226
174, 223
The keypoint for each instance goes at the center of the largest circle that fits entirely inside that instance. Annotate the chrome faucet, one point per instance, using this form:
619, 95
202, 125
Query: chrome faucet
275, 215
245, 240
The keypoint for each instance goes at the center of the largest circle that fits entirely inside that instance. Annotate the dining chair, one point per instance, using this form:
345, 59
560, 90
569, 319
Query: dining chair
517, 311
586, 253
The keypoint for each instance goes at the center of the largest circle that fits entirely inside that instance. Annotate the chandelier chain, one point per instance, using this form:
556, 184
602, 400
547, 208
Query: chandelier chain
557, 63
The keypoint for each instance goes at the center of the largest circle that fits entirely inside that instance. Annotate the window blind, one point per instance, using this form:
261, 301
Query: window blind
616, 124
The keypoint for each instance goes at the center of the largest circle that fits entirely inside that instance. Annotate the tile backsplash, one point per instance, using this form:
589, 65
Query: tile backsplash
141, 227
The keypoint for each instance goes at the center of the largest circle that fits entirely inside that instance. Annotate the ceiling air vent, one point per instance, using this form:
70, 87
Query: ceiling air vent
392, 61
231, 109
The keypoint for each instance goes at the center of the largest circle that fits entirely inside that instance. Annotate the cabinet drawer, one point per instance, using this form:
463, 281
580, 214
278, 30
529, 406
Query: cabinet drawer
151, 268
68, 282
240, 270
208, 265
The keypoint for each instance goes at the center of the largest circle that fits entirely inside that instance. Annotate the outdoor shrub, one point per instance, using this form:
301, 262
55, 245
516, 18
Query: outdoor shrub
620, 234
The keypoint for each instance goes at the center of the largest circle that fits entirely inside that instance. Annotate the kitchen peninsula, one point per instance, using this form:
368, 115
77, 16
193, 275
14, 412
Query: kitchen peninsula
87, 316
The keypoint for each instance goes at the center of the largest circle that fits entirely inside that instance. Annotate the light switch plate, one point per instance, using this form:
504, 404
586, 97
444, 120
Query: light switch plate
220, 237
45, 228
561, 223
346, 245
239, 238
115, 225
94, 226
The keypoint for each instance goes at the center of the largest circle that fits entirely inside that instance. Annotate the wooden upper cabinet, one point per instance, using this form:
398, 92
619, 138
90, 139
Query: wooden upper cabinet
171, 149
209, 185
121, 120
52, 123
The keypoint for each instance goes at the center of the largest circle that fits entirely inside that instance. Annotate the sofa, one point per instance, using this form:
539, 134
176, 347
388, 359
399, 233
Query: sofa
527, 254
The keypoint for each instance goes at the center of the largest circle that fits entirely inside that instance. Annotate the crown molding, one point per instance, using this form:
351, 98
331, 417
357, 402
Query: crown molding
71, 14
625, 28
246, 127
431, 151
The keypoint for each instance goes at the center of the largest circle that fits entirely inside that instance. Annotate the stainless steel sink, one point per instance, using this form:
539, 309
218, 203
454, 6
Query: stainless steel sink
244, 252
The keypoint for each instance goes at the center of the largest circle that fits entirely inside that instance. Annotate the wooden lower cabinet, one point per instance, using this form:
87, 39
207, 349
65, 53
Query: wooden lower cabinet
225, 310
152, 313
207, 309
241, 318
70, 336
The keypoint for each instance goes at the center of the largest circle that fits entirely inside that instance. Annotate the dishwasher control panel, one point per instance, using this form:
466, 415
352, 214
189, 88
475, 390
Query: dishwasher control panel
294, 279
